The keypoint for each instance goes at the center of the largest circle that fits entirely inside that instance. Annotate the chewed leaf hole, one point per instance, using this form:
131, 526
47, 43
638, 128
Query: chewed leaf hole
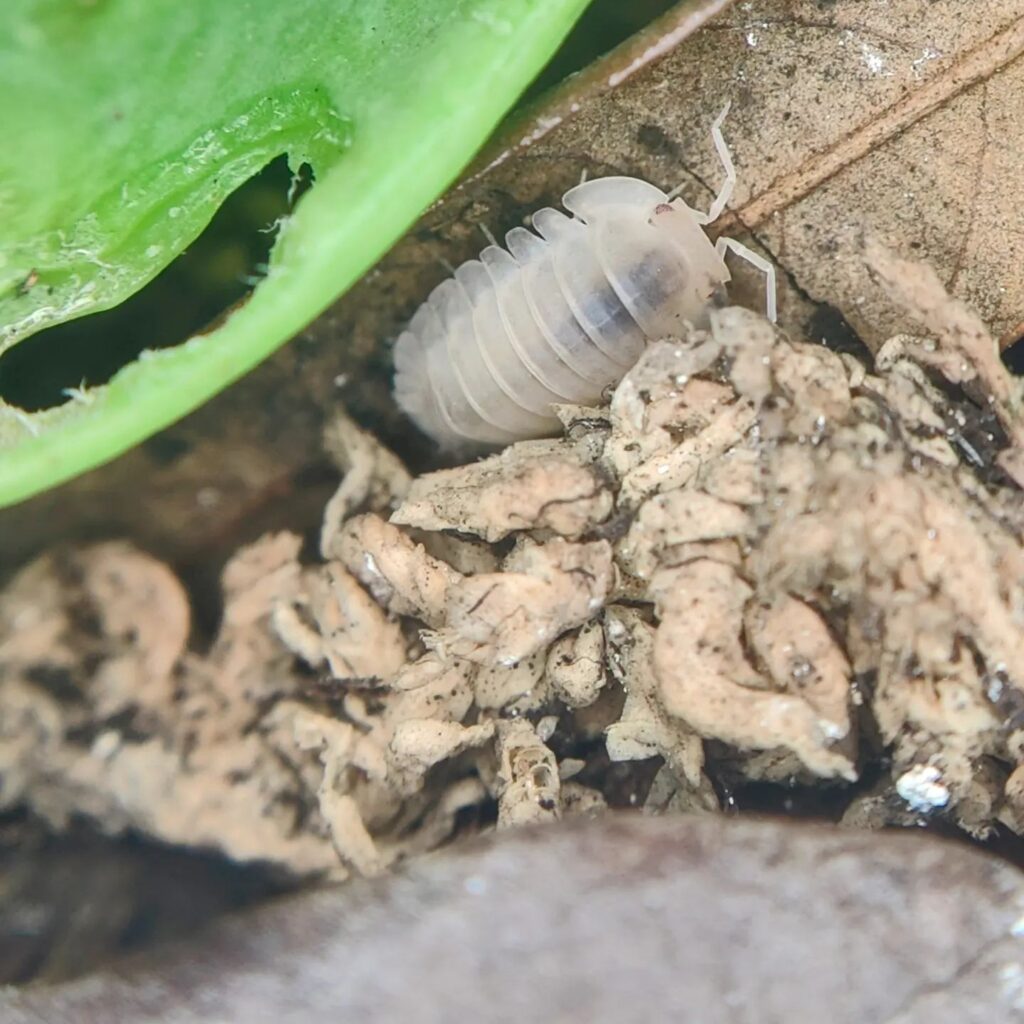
217, 271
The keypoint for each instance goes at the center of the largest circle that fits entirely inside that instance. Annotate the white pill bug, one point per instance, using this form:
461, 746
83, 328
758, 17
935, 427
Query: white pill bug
563, 313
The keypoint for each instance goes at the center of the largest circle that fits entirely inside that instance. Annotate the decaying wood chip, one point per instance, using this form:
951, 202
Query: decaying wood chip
543, 590
535, 486
707, 680
646, 728
373, 480
179, 753
346, 629
515, 688
678, 518
398, 572
576, 666
528, 781
965, 353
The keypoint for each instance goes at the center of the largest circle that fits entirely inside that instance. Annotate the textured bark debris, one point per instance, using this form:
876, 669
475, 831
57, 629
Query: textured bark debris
398, 572
334, 622
835, 926
794, 644
536, 486
575, 667
374, 479
142, 622
543, 590
645, 728
172, 754
680, 517
668, 420
651, 409
528, 782
823, 550
707, 679
965, 353
515, 688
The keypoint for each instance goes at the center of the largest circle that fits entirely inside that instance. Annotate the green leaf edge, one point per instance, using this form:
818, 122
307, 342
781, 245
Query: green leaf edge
310, 267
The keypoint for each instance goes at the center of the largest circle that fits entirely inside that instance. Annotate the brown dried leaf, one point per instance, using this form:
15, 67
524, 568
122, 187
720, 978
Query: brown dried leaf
902, 118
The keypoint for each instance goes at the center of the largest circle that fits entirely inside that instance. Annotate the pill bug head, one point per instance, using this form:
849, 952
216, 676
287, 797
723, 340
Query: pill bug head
653, 249
699, 273
707, 275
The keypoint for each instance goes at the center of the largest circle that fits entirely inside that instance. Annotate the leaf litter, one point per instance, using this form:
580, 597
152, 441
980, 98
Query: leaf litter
761, 561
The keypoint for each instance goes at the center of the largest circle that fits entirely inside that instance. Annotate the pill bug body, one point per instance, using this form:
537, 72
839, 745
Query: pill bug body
557, 317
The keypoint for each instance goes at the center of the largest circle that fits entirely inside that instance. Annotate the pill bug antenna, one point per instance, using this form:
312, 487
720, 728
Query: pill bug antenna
760, 263
729, 184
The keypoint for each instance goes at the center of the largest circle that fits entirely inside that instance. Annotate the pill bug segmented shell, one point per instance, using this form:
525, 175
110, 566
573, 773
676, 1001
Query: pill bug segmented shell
558, 317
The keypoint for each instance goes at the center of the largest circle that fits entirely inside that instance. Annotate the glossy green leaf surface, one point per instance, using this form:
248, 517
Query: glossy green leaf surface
127, 122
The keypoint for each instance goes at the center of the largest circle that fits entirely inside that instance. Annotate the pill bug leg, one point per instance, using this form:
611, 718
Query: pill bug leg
412, 396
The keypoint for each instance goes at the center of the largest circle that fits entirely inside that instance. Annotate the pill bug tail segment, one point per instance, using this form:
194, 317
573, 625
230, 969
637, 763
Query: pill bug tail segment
414, 395
412, 389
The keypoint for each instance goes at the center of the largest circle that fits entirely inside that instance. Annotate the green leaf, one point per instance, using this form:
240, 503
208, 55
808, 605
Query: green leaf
127, 122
